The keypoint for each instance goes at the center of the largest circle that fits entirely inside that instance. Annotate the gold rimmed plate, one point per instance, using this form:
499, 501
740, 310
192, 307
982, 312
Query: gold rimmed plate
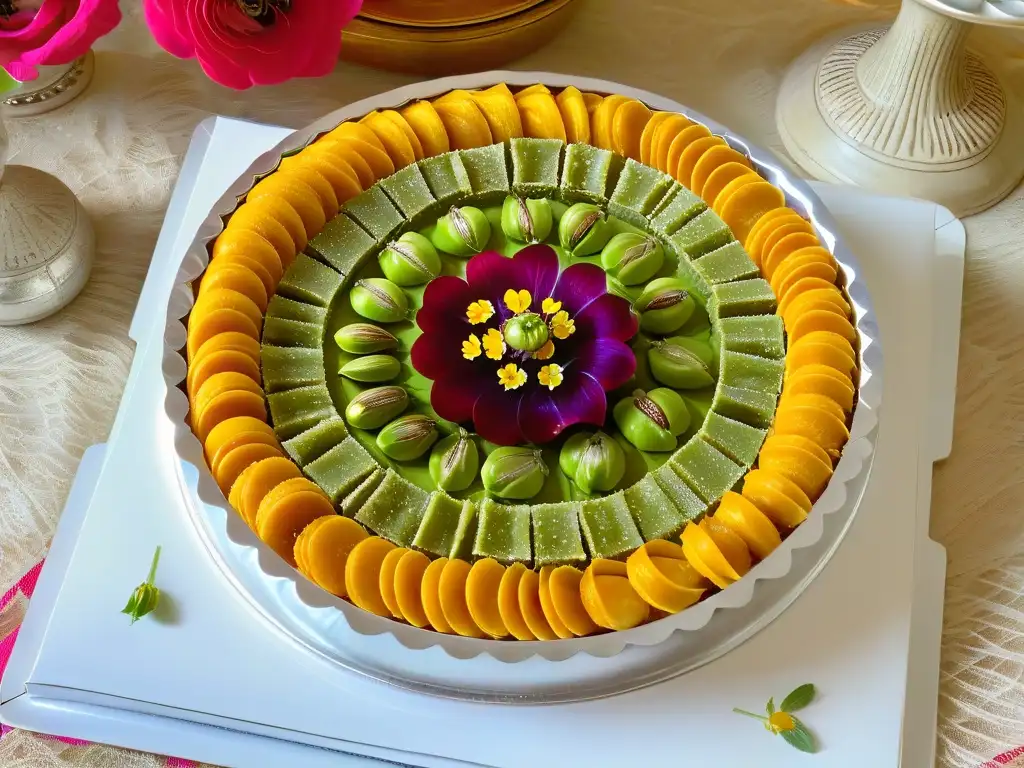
442, 13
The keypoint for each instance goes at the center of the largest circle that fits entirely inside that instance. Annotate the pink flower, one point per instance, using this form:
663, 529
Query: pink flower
46, 32
241, 43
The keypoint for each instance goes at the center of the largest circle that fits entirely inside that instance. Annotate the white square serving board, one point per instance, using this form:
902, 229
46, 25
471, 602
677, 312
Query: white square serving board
207, 678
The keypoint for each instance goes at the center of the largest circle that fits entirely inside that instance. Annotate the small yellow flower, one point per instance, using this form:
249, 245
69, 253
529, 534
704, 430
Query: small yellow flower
471, 347
562, 326
780, 721
480, 311
545, 352
511, 377
494, 344
518, 302
550, 306
550, 376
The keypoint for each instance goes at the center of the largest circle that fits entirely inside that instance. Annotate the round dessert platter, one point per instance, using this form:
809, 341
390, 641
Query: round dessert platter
517, 367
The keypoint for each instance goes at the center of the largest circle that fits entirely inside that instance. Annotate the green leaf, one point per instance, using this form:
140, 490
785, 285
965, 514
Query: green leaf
800, 738
770, 709
799, 698
7, 83
146, 596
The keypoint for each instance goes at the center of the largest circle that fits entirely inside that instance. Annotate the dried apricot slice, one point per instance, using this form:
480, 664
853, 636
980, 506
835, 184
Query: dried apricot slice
228, 342
316, 181
237, 459
806, 469
204, 327
252, 246
220, 383
781, 286
299, 195
359, 131
593, 101
430, 595
452, 592
302, 540
817, 321
802, 257
792, 400
732, 547
236, 277
661, 575
482, 587
279, 210
530, 606
286, 511
429, 129
387, 579
664, 134
351, 155
772, 232
683, 139
720, 179
819, 353
535, 88
548, 606
574, 115
713, 159
224, 298
806, 285
779, 498
541, 116
748, 522
602, 119
783, 249
328, 550
819, 299
219, 361
228, 405
508, 603
409, 585
825, 337
465, 123
245, 437
249, 219
703, 553
747, 205
499, 108
393, 137
403, 125
564, 591
362, 573
340, 175
647, 137
825, 381
815, 423
756, 235
611, 600
628, 125
260, 479
733, 187
690, 156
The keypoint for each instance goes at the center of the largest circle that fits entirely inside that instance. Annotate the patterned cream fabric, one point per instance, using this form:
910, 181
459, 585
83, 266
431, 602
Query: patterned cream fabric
119, 147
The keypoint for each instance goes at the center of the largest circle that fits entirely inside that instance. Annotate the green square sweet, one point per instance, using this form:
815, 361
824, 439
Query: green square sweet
678, 207
754, 334
296, 410
503, 533
739, 441
343, 244
637, 193
751, 406
726, 264
706, 469
743, 297
685, 270
653, 511
702, 234
316, 441
355, 499
290, 367
587, 173
465, 533
557, 539
341, 469
375, 213
535, 166
395, 509
409, 192
310, 281
738, 369
439, 525
289, 309
608, 527
488, 172
292, 333
446, 178
686, 501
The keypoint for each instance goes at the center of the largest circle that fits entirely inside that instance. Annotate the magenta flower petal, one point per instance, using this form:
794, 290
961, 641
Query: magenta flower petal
54, 32
534, 268
444, 304
607, 316
545, 414
496, 416
579, 285
609, 361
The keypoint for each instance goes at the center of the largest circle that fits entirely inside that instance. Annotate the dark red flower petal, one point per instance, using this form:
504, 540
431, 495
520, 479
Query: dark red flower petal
578, 286
495, 415
534, 268
609, 317
444, 304
453, 398
609, 361
439, 355
546, 413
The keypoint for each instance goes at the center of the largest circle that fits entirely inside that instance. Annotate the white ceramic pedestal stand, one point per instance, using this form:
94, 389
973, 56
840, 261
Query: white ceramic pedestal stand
908, 111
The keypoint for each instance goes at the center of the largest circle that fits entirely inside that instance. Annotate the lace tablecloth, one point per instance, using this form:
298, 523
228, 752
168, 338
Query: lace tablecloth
119, 147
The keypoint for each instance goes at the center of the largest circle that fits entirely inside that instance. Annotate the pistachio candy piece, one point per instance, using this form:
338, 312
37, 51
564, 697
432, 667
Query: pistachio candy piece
454, 462
364, 338
375, 407
371, 369
632, 258
407, 437
410, 260
583, 229
526, 220
592, 460
462, 231
664, 306
514, 472
682, 362
377, 298
652, 420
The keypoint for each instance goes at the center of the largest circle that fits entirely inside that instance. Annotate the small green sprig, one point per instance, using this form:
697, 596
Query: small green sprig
146, 596
783, 723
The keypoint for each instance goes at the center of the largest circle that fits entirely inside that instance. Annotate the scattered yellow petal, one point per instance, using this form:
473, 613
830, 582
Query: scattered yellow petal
545, 352
511, 376
480, 311
518, 302
471, 347
550, 306
561, 326
550, 376
781, 721
494, 344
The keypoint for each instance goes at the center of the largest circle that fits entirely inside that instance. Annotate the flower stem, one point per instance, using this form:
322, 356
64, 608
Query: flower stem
762, 718
152, 567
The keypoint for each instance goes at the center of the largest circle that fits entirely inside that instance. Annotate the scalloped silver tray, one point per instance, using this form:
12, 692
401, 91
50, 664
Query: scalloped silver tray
529, 672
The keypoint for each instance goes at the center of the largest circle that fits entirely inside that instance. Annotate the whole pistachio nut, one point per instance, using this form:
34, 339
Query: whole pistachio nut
664, 306
652, 420
592, 460
373, 408
371, 369
377, 298
410, 260
462, 231
407, 437
682, 362
454, 462
526, 220
632, 258
364, 338
514, 472
583, 229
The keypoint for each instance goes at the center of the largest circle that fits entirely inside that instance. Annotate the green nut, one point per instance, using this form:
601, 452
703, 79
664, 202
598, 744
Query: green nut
682, 362
462, 231
371, 369
407, 437
632, 258
373, 408
376, 298
592, 460
514, 472
410, 260
454, 462
364, 338
652, 420
664, 306
583, 229
526, 332
528, 221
